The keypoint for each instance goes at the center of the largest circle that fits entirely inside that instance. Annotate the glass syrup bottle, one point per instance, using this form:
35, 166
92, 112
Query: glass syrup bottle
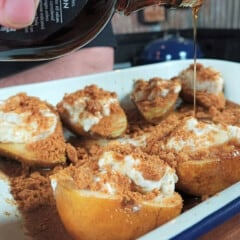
62, 26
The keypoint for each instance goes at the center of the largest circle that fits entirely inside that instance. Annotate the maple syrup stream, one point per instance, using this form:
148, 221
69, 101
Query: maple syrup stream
195, 11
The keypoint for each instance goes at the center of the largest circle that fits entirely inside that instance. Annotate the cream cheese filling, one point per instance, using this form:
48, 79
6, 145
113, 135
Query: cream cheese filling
128, 167
15, 128
78, 113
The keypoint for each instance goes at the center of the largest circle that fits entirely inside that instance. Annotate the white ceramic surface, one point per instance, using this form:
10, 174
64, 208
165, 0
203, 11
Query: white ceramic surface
122, 81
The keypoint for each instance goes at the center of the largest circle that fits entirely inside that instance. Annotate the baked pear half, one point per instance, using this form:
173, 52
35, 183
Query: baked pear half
124, 194
208, 156
156, 98
93, 112
31, 131
209, 86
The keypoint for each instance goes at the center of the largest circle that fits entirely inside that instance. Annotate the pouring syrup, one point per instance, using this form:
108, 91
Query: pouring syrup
195, 11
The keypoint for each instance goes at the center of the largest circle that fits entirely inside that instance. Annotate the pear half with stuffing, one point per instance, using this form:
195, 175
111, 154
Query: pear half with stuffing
31, 131
208, 86
156, 98
208, 156
93, 111
123, 193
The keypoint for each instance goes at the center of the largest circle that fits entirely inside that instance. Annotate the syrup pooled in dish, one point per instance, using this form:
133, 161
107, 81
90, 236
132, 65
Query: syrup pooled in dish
93, 112
123, 192
31, 131
209, 86
156, 98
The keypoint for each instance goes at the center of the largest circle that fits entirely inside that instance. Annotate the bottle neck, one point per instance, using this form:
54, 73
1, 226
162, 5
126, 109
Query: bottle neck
129, 6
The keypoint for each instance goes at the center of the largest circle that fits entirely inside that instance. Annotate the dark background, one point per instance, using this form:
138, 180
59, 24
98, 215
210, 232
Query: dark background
219, 44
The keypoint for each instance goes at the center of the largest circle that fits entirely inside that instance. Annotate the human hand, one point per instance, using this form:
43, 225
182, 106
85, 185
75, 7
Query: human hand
17, 13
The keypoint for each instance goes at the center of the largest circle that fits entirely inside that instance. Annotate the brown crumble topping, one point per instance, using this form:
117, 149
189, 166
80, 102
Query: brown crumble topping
204, 99
51, 149
31, 187
151, 166
153, 87
32, 191
84, 172
204, 73
92, 91
22, 103
72, 153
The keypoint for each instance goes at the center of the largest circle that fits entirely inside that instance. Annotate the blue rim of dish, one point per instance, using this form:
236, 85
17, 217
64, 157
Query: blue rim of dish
211, 221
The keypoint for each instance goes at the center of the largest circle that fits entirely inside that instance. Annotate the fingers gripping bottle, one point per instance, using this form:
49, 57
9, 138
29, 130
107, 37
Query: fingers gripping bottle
62, 26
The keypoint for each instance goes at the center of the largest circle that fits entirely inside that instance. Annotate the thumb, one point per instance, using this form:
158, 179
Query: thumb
17, 13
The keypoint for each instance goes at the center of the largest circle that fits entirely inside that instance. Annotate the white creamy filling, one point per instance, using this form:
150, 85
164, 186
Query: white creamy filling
14, 127
208, 85
109, 188
128, 167
177, 89
202, 136
79, 115
88, 122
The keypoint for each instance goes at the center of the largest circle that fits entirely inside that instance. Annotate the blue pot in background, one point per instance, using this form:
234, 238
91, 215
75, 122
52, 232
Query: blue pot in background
169, 48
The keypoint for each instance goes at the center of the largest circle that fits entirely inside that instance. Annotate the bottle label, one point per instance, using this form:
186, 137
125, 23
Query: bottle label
50, 17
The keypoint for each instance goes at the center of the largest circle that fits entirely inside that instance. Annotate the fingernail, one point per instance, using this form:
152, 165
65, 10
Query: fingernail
36, 3
20, 13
